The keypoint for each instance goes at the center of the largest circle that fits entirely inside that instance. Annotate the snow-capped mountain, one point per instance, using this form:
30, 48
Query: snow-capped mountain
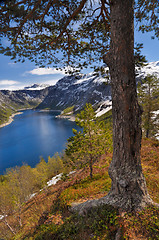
77, 91
36, 86
70, 91
151, 68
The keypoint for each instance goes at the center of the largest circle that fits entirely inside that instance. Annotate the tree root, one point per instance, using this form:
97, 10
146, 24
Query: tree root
118, 234
124, 203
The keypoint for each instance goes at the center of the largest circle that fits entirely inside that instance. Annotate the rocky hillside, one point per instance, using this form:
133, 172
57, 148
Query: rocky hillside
70, 91
11, 101
151, 68
77, 91
22, 98
47, 214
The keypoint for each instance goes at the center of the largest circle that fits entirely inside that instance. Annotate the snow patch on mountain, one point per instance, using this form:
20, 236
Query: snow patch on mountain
151, 68
101, 112
156, 119
36, 87
57, 178
103, 108
86, 78
54, 180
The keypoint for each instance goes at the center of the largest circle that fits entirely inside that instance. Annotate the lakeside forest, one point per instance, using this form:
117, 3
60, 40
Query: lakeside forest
32, 207
113, 161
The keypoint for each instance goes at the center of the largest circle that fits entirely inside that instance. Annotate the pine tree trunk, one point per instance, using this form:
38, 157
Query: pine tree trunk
91, 168
128, 188
148, 114
147, 133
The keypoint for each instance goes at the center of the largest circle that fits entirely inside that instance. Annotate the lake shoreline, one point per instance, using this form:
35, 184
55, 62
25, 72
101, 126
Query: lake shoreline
49, 110
68, 117
10, 120
33, 135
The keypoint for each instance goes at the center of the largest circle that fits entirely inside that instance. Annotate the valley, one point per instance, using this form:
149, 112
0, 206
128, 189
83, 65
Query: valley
71, 91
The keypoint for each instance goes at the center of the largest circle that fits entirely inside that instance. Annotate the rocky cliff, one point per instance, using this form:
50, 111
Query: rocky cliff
77, 91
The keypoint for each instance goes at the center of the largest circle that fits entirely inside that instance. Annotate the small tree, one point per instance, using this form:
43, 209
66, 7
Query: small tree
6, 205
55, 165
21, 181
41, 173
86, 146
148, 95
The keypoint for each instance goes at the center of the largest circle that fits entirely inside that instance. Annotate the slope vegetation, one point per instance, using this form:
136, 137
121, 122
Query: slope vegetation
48, 214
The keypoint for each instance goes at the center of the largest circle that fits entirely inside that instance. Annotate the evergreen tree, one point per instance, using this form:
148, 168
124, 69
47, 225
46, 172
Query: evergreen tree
148, 94
86, 146
85, 32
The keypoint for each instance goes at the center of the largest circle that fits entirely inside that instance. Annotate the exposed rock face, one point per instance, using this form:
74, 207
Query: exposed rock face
77, 91
11, 101
21, 98
68, 91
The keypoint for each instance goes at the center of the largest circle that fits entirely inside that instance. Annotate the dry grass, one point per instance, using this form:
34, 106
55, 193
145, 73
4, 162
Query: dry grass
150, 165
50, 205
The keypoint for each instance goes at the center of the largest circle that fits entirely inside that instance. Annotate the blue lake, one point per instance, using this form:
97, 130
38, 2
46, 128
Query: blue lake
32, 135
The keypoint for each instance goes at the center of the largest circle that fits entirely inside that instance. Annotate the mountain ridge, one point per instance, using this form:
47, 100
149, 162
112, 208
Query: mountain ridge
72, 90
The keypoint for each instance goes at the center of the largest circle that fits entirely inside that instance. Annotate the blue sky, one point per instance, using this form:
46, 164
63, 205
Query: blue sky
17, 75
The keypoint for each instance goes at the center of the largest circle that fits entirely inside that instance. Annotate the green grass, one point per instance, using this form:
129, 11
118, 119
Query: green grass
144, 223
5, 114
68, 110
100, 222
87, 187
7, 110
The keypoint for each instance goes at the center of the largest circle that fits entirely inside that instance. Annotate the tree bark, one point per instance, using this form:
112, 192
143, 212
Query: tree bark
149, 110
128, 189
91, 168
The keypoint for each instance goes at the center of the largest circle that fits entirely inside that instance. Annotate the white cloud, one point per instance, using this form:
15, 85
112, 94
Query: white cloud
8, 82
10, 85
46, 71
49, 71
11, 88
12, 63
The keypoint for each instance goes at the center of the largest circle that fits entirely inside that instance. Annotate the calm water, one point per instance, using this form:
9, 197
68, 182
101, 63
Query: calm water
31, 135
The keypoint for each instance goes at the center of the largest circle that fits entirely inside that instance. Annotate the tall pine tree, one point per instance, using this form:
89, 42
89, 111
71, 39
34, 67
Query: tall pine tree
87, 146
148, 94
85, 32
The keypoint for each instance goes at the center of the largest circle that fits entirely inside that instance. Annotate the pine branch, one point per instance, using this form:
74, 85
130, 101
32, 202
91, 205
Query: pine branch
71, 17
105, 9
47, 9
26, 18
